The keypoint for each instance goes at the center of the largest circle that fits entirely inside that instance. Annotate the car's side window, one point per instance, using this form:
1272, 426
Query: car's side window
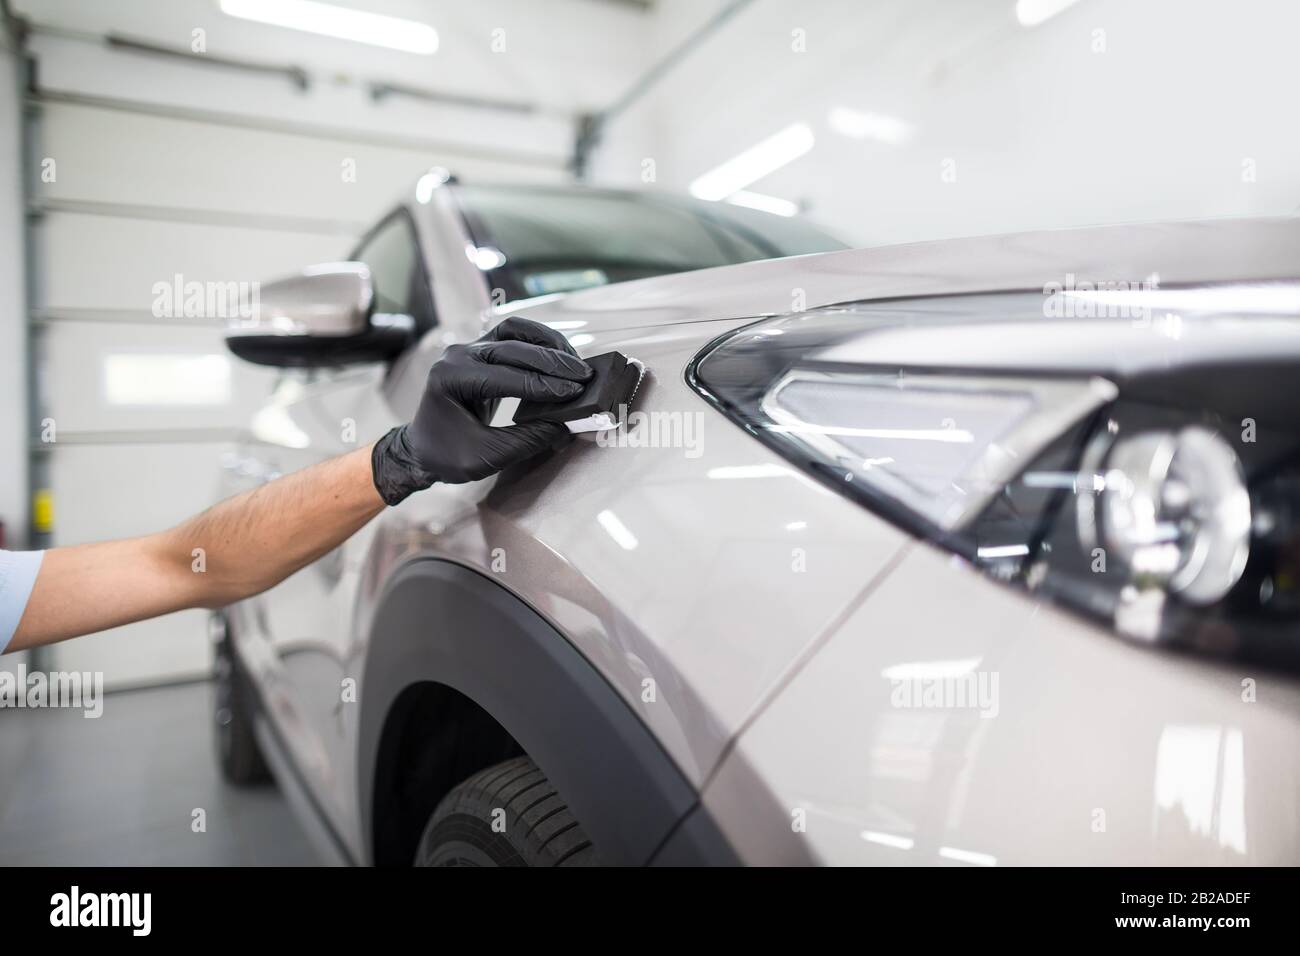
401, 285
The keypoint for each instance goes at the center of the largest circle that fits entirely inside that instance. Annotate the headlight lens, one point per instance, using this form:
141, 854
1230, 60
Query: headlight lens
1174, 508
1135, 498
941, 445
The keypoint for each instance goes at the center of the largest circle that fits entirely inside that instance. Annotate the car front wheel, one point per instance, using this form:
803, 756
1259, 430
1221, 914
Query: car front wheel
507, 815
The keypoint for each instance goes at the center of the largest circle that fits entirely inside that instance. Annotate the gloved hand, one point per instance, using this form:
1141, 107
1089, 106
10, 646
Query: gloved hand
449, 440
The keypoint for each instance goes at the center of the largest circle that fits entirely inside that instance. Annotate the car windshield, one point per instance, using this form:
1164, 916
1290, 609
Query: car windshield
535, 240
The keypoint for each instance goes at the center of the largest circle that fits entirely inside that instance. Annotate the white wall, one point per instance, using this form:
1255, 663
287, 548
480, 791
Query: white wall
1044, 132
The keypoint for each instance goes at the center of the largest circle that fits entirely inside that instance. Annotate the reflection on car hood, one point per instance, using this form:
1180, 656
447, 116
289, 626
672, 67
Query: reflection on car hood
1160, 254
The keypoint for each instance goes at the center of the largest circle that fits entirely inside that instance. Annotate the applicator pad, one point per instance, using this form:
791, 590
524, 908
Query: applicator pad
598, 408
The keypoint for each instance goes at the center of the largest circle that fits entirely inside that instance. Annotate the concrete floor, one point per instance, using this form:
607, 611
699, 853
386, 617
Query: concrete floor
121, 790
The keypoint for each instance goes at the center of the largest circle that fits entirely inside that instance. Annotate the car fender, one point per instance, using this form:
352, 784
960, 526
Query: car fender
442, 622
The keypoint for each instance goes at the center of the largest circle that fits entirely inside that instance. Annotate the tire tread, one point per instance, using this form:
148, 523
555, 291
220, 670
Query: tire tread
541, 830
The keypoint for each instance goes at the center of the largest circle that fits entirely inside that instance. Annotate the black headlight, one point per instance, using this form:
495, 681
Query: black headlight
1145, 476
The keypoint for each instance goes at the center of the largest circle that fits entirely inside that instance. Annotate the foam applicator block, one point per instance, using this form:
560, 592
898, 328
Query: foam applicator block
601, 403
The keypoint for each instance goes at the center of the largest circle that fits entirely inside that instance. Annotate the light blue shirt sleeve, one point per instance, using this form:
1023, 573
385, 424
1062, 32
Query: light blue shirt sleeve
18, 570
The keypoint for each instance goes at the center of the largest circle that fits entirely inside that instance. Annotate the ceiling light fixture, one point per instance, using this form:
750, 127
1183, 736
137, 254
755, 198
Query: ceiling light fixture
1030, 13
857, 124
343, 23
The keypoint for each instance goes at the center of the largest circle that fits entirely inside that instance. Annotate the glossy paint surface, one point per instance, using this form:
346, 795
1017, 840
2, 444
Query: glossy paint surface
1073, 746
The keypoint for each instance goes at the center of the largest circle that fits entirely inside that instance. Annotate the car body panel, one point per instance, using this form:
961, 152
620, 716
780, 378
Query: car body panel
1096, 751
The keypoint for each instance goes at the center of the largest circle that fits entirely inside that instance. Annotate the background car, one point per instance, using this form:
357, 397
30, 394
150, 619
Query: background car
834, 597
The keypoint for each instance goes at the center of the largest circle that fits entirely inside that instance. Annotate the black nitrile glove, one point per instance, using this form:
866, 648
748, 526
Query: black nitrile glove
449, 439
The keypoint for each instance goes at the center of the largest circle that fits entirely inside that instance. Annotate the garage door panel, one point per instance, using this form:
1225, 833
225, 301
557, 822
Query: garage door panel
175, 645
113, 377
101, 262
123, 490
136, 159
539, 139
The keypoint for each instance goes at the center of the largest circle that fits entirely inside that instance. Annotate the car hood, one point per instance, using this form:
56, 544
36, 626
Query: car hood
1159, 254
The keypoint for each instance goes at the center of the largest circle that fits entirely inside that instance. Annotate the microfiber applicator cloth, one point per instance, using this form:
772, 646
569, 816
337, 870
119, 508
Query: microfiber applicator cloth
597, 408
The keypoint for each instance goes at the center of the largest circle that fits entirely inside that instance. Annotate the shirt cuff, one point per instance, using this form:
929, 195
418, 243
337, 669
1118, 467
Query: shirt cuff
18, 570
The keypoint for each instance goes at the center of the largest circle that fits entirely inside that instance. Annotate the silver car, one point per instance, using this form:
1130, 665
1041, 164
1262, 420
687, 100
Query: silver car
975, 552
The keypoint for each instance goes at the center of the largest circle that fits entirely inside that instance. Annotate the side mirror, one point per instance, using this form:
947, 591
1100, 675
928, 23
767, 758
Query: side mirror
325, 316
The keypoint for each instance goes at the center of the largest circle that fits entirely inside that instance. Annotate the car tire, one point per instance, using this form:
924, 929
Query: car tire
238, 754
507, 815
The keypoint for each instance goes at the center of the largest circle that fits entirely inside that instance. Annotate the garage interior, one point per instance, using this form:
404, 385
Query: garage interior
149, 140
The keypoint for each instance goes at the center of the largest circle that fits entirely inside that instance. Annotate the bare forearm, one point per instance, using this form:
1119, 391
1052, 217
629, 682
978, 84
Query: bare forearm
235, 549
253, 541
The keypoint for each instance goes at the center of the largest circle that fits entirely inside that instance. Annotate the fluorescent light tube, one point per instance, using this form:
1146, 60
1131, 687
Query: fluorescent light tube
856, 124
888, 839
1030, 13
968, 856
754, 163
343, 23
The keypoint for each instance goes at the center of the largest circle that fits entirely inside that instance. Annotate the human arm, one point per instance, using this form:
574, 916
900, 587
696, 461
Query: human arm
237, 548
